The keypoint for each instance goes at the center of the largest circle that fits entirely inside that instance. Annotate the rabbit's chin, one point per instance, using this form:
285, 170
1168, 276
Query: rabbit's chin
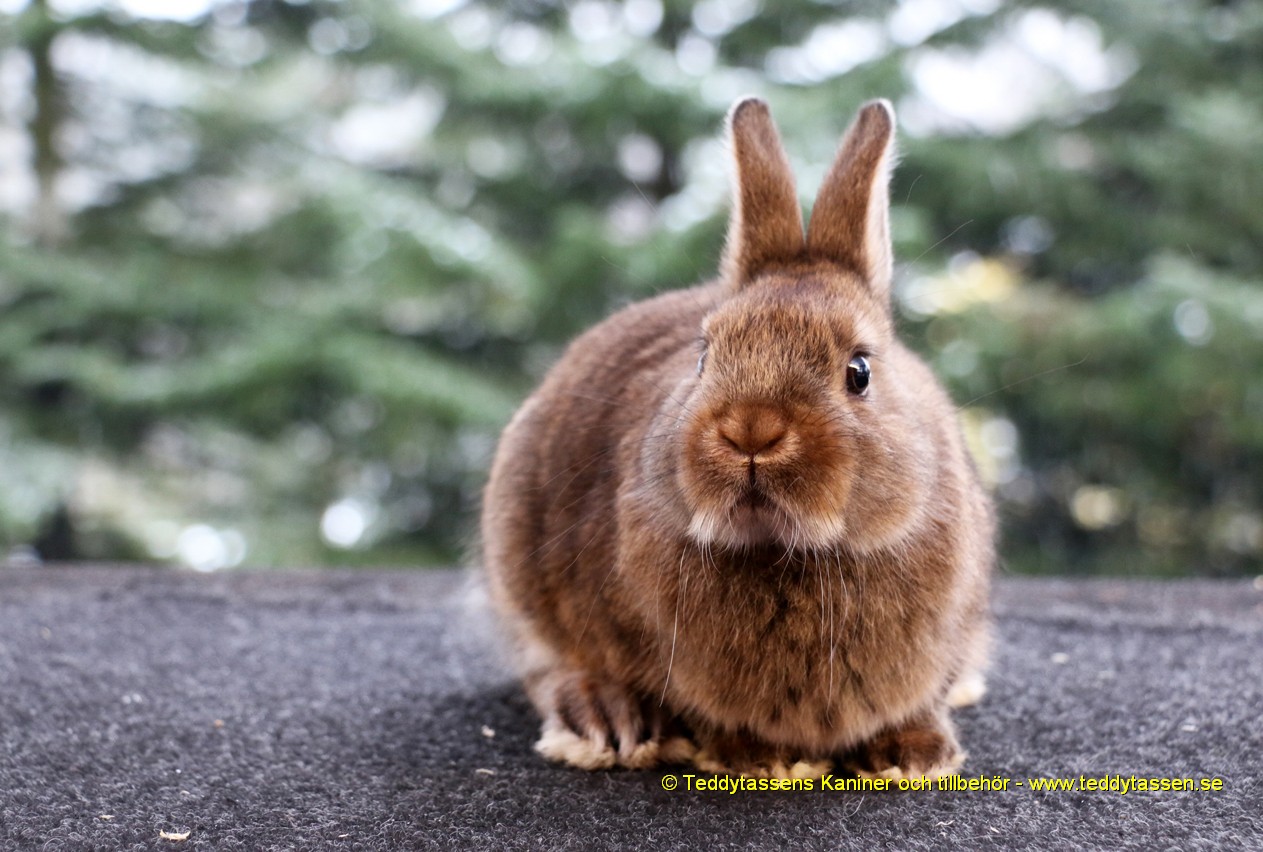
741, 525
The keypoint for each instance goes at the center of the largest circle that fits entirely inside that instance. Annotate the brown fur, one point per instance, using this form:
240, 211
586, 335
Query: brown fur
753, 553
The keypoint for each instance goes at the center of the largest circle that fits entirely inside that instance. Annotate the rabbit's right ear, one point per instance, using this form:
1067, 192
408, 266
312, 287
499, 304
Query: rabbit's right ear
766, 225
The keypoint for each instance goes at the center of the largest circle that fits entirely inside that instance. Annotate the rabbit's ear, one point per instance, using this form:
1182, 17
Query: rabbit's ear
850, 223
766, 226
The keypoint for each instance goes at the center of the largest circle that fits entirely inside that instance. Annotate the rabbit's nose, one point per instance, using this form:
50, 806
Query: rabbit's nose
752, 430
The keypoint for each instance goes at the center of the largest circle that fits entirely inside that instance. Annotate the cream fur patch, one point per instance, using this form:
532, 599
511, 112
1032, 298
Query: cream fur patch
968, 690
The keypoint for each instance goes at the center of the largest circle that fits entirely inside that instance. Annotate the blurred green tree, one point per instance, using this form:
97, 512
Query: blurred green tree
275, 272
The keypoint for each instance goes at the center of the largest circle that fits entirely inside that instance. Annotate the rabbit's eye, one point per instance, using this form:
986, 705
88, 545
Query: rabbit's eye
857, 375
701, 361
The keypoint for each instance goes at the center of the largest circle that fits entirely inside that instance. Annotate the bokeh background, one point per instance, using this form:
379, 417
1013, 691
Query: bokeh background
273, 273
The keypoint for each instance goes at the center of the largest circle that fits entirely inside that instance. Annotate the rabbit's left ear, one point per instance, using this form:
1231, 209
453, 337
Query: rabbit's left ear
850, 223
766, 225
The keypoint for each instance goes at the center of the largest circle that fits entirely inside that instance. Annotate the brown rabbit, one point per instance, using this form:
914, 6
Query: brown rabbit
737, 523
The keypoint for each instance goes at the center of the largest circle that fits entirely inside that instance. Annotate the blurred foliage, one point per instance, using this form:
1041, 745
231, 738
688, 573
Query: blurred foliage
274, 273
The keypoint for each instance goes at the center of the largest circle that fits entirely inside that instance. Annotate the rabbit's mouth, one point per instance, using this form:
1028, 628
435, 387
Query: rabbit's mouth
753, 500
754, 518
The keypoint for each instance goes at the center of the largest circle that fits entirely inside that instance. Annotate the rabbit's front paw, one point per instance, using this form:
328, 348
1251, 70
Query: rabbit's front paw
597, 725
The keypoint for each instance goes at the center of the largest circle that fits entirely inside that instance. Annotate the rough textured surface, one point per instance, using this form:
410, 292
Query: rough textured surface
347, 711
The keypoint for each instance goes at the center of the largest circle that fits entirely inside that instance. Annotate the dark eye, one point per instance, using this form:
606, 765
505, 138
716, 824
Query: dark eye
857, 375
701, 360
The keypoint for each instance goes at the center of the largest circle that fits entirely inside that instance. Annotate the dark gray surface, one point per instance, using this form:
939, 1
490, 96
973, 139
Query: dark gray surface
346, 711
